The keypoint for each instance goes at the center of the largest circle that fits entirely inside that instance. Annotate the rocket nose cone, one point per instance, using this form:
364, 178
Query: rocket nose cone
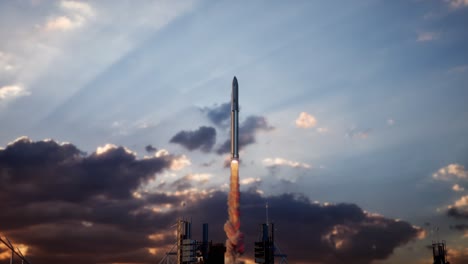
234, 81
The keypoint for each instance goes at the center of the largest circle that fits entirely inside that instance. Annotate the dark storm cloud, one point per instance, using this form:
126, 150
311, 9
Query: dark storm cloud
106, 224
219, 114
150, 149
307, 232
46, 171
457, 213
460, 227
204, 138
247, 131
181, 184
61, 202
355, 133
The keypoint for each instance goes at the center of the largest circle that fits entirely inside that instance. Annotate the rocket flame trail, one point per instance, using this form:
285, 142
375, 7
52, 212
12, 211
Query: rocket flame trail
234, 242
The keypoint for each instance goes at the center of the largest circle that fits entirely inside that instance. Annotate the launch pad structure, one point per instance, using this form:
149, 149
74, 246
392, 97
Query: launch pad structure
189, 251
439, 252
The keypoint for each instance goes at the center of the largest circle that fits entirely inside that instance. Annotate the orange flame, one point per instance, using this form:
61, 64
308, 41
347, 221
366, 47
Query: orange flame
234, 242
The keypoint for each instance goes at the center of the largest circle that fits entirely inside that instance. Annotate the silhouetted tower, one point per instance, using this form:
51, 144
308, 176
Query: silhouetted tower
264, 249
211, 253
439, 252
186, 247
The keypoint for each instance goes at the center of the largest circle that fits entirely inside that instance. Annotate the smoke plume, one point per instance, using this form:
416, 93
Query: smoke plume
234, 242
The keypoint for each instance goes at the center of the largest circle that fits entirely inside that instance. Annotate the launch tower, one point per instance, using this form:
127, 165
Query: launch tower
439, 252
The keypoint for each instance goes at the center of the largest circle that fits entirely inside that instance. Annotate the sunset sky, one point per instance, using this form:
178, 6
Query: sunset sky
114, 122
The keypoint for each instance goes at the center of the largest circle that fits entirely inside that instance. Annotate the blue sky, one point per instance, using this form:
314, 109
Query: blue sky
382, 85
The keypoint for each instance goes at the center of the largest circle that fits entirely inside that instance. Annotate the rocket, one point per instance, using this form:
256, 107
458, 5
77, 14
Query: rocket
235, 241
235, 120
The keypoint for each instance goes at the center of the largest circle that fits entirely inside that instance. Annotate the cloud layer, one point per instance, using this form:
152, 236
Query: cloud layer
65, 206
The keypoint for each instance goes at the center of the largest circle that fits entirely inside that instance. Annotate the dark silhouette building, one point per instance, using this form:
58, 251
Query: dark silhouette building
189, 251
265, 249
439, 252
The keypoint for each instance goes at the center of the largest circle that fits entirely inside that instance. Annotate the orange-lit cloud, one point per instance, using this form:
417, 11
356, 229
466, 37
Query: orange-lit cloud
457, 188
451, 171
305, 120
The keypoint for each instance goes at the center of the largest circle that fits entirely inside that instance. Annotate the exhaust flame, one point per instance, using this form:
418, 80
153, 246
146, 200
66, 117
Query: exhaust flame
234, 242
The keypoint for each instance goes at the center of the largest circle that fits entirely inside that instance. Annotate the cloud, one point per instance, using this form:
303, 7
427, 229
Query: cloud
204, 138
12, 91
65, 206
340, 233
36, 169
78, 7
458, 256
462, 202
179, 162
459, 209
427, 36
7, 62
450, 172
188, 181
305, 120
361, 134
457, 213
63, 203
322, 130
459, 227
247, 181
390, 122
247, 131
459, 69
76, 15
219, 114
150, 149
275, 162
63, 23
457, 3
457, 188
111, 147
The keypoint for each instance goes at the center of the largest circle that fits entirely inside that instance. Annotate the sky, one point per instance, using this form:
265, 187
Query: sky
353, 121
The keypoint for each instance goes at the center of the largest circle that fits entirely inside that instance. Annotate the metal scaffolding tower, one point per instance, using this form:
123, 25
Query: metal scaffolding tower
439, 252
